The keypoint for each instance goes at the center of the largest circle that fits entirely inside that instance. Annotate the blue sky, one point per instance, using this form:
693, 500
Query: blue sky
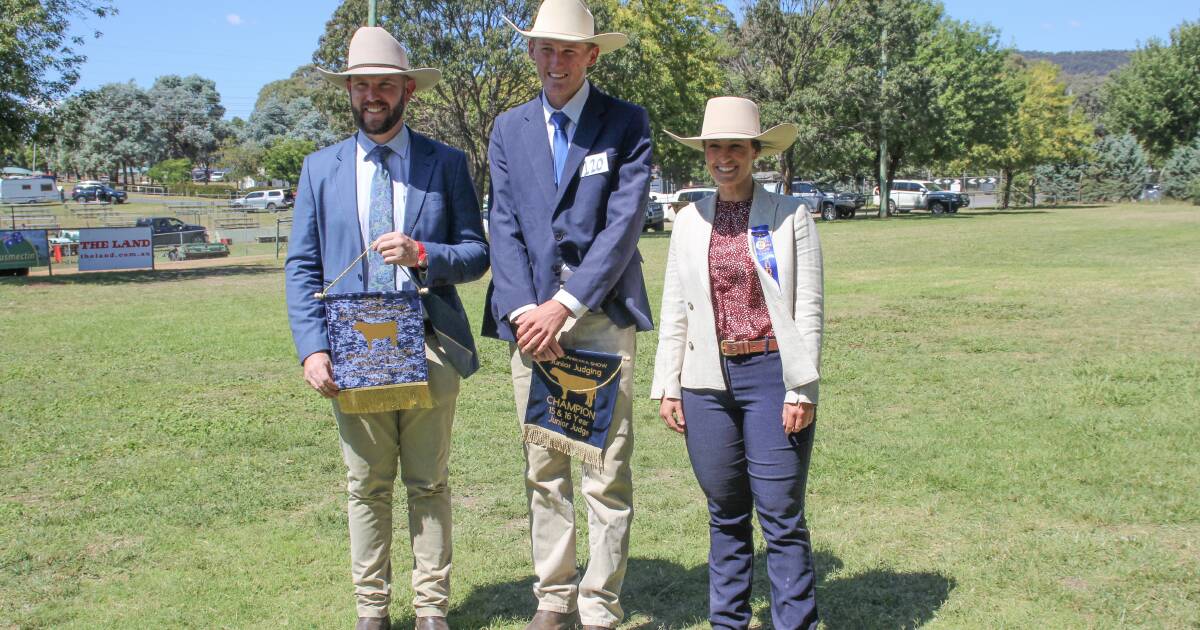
244, 45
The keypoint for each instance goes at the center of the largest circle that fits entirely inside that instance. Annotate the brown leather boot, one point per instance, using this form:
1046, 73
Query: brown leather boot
373, 623
550, 620
432, 623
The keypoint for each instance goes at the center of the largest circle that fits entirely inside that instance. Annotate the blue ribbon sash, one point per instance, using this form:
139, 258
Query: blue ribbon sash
571, 403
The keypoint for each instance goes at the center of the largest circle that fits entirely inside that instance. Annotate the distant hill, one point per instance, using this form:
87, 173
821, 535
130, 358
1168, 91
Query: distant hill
1095, 62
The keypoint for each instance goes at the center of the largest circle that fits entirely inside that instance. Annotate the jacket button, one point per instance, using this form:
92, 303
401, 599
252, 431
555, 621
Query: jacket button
558, 236
690, 346
690, 308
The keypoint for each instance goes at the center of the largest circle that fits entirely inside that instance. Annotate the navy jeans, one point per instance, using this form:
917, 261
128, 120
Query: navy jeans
744, 463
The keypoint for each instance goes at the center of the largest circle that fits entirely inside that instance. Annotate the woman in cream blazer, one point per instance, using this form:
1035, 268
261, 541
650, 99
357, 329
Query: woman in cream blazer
737, 364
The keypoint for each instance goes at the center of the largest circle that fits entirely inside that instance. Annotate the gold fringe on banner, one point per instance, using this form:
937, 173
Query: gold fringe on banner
541, 436
385, 398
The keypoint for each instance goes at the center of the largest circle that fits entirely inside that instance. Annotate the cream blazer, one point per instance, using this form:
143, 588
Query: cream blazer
688, 352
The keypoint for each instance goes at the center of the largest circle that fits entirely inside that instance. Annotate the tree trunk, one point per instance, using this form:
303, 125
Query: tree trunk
1008, 177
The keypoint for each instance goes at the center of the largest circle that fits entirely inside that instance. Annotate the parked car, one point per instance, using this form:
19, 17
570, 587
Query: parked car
656, 217
265, 200
172, 231
688, 195
838, 204
907, 195
95, 191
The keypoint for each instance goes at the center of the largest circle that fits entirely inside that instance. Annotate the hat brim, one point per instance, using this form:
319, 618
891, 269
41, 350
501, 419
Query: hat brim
606, 42
774, 141
425, 78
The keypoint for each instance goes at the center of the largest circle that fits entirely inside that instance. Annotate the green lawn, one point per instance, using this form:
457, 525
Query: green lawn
1008, 438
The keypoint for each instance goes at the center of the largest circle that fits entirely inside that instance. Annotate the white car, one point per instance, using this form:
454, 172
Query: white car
264, 201
683, 197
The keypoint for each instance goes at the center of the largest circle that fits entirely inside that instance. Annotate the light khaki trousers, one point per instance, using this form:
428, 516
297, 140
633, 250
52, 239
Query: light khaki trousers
608, 492
418, 440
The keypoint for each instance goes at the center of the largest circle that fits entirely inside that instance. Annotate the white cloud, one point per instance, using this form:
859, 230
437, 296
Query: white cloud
1075, 24
234, 19
1047, 26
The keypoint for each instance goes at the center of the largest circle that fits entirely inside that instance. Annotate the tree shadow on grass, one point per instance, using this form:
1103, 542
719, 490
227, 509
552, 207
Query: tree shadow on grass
663, 594
146, 276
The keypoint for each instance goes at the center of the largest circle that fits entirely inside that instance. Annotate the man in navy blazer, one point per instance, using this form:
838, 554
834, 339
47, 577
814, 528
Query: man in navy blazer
411, 200
570, 175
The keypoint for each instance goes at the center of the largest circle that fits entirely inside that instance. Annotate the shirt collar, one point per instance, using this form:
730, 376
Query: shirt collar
574, 107
398, 144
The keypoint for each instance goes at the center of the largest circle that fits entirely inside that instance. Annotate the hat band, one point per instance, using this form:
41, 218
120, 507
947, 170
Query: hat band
377, 65
551, 34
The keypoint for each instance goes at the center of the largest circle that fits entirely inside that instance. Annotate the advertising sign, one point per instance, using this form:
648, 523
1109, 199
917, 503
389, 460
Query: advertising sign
115, 248
23, 248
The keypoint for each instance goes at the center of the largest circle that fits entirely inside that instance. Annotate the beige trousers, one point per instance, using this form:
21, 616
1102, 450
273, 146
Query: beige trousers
608, 492
418, 440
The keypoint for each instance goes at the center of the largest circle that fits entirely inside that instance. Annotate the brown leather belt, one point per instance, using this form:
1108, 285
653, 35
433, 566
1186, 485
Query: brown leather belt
757, 346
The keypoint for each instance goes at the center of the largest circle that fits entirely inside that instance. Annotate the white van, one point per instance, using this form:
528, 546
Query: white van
29, 190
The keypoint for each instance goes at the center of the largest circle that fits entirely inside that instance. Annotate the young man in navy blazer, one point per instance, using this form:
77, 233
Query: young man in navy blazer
411, 200
570, 173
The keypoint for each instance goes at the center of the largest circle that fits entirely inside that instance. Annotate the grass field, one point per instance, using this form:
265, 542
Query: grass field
1008, 438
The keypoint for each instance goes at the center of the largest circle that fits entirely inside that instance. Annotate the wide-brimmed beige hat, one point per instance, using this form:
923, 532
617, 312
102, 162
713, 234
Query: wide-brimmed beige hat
374, 52
735, 118
570, 21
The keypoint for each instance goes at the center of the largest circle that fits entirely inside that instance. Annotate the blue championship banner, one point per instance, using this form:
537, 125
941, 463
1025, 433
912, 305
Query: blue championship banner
571, 402
377, 343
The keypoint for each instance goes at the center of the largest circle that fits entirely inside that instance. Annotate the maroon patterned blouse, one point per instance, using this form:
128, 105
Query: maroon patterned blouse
741, 310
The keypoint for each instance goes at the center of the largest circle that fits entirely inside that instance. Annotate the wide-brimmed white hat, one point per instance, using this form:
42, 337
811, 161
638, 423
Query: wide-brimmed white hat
374, 52
735, 118
570, 21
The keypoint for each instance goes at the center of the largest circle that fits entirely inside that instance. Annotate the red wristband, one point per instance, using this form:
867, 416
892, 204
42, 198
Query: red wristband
422, 258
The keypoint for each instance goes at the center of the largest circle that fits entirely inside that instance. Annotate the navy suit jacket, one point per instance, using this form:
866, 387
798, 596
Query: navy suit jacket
441, 211
590, 223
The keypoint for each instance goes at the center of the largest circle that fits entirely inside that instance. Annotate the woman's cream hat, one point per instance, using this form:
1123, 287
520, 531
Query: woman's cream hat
734, 118
374, 52
570, 21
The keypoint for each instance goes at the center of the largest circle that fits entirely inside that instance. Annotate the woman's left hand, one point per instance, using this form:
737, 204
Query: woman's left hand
797, 416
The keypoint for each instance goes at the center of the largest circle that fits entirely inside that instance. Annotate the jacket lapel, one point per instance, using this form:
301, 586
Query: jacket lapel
345, 192
762, 212
537, 151
706, 208
420, 171
590, 122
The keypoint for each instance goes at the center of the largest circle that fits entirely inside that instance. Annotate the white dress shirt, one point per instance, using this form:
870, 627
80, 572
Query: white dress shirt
398, 164
574, 111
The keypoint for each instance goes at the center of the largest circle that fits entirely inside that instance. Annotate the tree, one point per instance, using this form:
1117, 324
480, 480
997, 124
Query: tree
1182, 170
297, 119
1157, 96
175, 171
39, 62
1117, 170
285, 159
186, 112
783, 52
671, 67
119, 133
1046, 127
243, 159
483, 64
307, 82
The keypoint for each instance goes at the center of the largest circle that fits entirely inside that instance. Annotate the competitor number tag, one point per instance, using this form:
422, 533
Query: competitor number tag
595, 164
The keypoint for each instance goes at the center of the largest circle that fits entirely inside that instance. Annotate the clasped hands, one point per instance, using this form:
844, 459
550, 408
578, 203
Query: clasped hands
537, 330
796, 416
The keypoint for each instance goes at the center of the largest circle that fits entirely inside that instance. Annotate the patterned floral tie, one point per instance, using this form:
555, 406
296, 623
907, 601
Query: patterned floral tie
382, 276
560, 122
